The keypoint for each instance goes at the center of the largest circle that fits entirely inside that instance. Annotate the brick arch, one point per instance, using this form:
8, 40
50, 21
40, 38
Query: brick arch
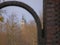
30, 10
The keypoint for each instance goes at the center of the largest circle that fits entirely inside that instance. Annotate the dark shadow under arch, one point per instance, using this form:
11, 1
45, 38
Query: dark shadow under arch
29, 9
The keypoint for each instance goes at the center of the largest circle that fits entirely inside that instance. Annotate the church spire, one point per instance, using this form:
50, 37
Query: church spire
23, 21
23, 17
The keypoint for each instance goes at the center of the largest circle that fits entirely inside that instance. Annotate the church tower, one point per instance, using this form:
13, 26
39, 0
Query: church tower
23, 30
23, 23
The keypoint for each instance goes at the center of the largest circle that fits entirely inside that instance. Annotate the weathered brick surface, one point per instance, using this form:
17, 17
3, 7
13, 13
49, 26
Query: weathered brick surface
52, 21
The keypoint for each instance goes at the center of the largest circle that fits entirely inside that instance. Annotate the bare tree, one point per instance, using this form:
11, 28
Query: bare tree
11, 29
1, 22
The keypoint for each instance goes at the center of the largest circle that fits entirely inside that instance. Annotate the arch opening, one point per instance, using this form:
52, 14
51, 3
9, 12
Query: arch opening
29, 9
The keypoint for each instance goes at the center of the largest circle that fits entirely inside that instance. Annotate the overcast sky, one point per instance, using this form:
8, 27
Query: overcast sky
37, 5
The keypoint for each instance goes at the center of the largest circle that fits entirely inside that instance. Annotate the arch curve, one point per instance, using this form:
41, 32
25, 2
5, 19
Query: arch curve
30, 10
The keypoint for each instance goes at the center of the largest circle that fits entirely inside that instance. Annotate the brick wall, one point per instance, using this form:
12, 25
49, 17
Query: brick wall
51, 21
